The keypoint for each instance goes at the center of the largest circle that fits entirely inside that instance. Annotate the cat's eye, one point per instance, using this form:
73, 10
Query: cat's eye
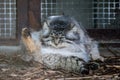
45, 36
71, 38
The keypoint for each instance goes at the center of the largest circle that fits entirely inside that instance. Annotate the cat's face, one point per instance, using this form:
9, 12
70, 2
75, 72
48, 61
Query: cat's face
58, 31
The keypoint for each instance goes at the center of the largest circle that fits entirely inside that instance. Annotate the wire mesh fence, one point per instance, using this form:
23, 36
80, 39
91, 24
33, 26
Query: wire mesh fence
7, 19
93, 14
104, 13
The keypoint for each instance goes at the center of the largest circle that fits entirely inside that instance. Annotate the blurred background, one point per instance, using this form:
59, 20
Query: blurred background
101, 18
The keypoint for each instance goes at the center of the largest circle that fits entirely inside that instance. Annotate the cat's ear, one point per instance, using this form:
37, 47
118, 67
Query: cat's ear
72, 25
45, 28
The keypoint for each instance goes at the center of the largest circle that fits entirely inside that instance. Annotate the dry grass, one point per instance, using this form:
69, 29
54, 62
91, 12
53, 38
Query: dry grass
14, 68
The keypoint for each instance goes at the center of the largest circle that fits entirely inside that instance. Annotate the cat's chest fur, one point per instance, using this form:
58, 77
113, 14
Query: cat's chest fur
77, 50
65, 52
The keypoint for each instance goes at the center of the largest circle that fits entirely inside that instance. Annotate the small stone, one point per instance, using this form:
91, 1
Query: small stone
13, 75
3, 69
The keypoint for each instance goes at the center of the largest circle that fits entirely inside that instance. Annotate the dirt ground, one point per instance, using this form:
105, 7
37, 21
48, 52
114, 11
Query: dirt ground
14, 68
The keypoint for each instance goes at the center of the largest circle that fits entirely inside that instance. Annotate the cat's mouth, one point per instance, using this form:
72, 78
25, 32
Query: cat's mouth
58, 46
54, 45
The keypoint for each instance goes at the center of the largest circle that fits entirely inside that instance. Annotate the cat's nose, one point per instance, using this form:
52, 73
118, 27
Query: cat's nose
56, 44
56, 41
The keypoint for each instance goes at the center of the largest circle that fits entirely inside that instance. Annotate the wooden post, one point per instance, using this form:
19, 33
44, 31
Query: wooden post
34, 14
22, 16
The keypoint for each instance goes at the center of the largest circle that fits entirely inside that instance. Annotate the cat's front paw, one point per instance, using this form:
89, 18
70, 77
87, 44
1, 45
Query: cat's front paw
93, 65
84, 69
